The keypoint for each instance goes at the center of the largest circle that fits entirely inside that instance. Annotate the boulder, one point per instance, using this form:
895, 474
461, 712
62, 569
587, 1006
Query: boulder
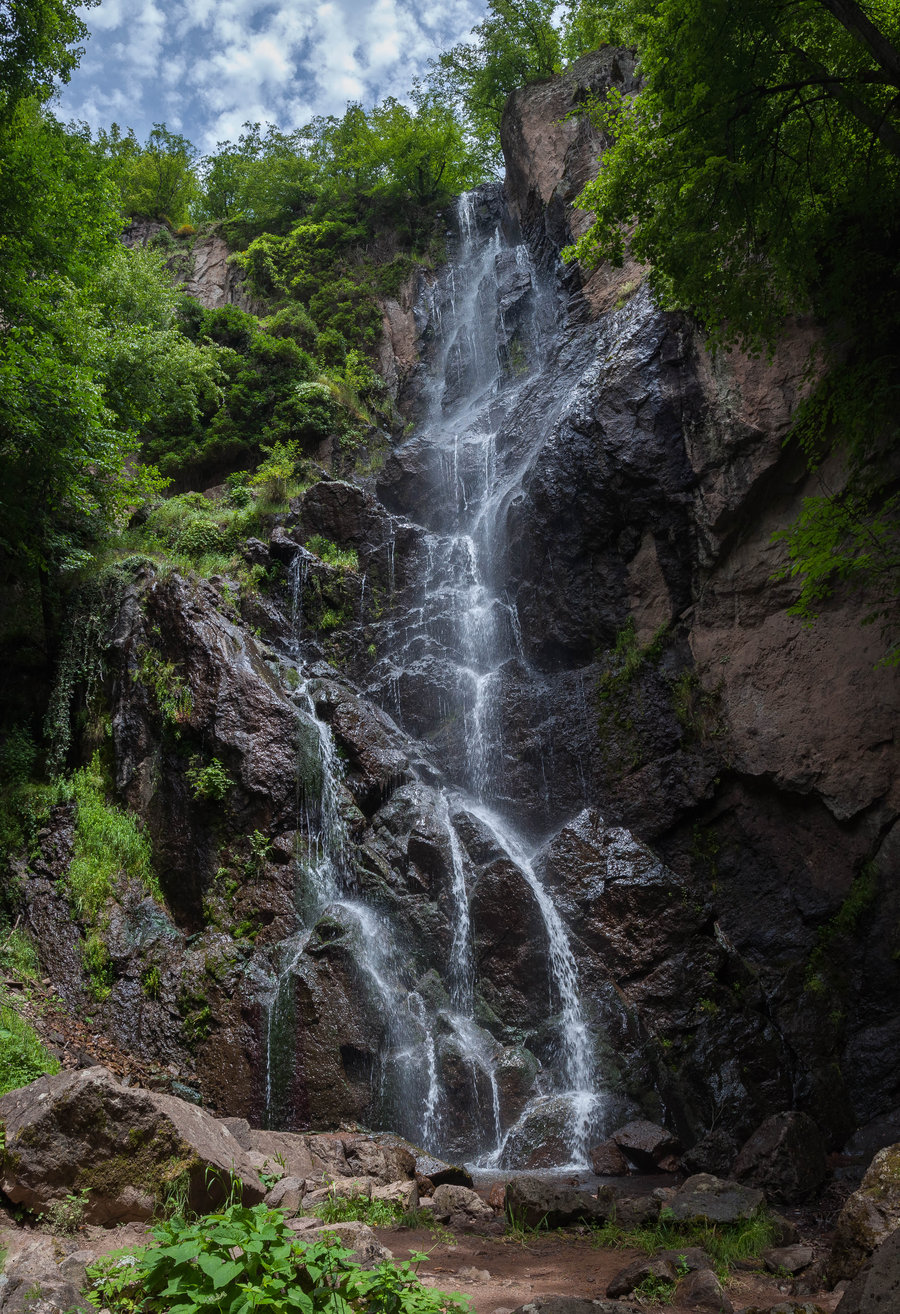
286, 1194
463, 1209
127, 1147
785, 1157
634, 1274
707, 1199
636, 1210
788, 1259
868, 1217
607, 1160
288, 1149
703, 1290
536, 1202
357, 1237
876, 1287
405, 1194
647, 1146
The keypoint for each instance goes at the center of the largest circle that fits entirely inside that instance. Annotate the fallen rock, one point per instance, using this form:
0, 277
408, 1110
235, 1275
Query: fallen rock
634, 1274
286, 1195
647, 1145
497, 1197
536, 1202
405, 1194
463, 1209
707, 1199
607, 1160
127, 1147
691, 1258
636, 1210
868, 1217
287, 1149
703, 1290
357, 1237
32, 1283
788, 1259
876, 1288
785, 1157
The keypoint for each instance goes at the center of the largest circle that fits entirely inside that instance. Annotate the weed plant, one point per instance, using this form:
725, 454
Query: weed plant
358, 1209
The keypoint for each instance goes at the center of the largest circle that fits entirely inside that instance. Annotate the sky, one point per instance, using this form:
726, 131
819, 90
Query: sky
205, 67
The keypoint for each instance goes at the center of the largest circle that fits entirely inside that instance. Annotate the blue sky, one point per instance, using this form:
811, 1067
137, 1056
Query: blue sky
204, 67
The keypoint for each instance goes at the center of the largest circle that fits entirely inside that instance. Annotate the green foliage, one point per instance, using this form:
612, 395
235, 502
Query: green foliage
208, 783
264, 180
18, 956
171, 694
331, 554
38, 49
108, 847
628, 657
66, 1215
156, 180
23, 1057
242, 1259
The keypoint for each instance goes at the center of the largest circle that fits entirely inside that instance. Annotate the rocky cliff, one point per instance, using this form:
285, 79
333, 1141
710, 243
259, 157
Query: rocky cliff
543, 809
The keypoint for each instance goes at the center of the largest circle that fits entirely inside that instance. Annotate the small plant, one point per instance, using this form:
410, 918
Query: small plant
172, 695
97, 964
208, 783
659, 1291
358, 1209
66, 1215
151, 982
260, 852
725, 1243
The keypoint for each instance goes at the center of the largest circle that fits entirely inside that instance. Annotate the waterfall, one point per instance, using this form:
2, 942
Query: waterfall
491, 315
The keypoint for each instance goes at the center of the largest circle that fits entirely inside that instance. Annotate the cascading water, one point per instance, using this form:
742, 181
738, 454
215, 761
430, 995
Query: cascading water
490, 313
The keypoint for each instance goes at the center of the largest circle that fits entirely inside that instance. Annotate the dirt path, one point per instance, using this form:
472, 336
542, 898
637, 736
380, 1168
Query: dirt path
498, 1274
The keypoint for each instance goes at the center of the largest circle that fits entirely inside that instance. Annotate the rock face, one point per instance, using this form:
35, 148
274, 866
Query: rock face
877, 1286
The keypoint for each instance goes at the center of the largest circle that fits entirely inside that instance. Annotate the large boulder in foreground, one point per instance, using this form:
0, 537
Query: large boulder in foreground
868, 1217
130, 1149
876, 1287
785, 1157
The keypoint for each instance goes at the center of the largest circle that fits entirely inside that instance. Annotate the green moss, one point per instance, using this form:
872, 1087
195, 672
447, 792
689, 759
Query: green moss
842, 925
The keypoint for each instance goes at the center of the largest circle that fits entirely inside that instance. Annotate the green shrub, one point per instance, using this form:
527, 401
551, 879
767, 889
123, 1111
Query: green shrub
358, 1209
208, 783
241, 1260
726, 1243
23, 1057
331, 554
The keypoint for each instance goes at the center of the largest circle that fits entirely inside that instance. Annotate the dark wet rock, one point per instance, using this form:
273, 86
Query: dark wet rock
876, 1288
625, 1281
703, 1290
707, 1199
539, 1202
714, 1153
648, 1146
607, 1160
86, 1130
868, 1216
785, 1157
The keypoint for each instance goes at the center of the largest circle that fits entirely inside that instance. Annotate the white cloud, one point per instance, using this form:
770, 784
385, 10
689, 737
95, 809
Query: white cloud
214, 64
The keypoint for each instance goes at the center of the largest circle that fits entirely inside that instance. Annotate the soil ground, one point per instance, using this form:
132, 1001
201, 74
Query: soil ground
498, 1273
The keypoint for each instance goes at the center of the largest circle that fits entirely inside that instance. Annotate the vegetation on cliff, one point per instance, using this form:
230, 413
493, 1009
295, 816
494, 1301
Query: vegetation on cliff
758, 173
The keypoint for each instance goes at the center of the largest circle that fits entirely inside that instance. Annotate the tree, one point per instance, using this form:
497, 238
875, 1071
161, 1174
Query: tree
157, 180
37, 48
516, 43
264, 179
758, 173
